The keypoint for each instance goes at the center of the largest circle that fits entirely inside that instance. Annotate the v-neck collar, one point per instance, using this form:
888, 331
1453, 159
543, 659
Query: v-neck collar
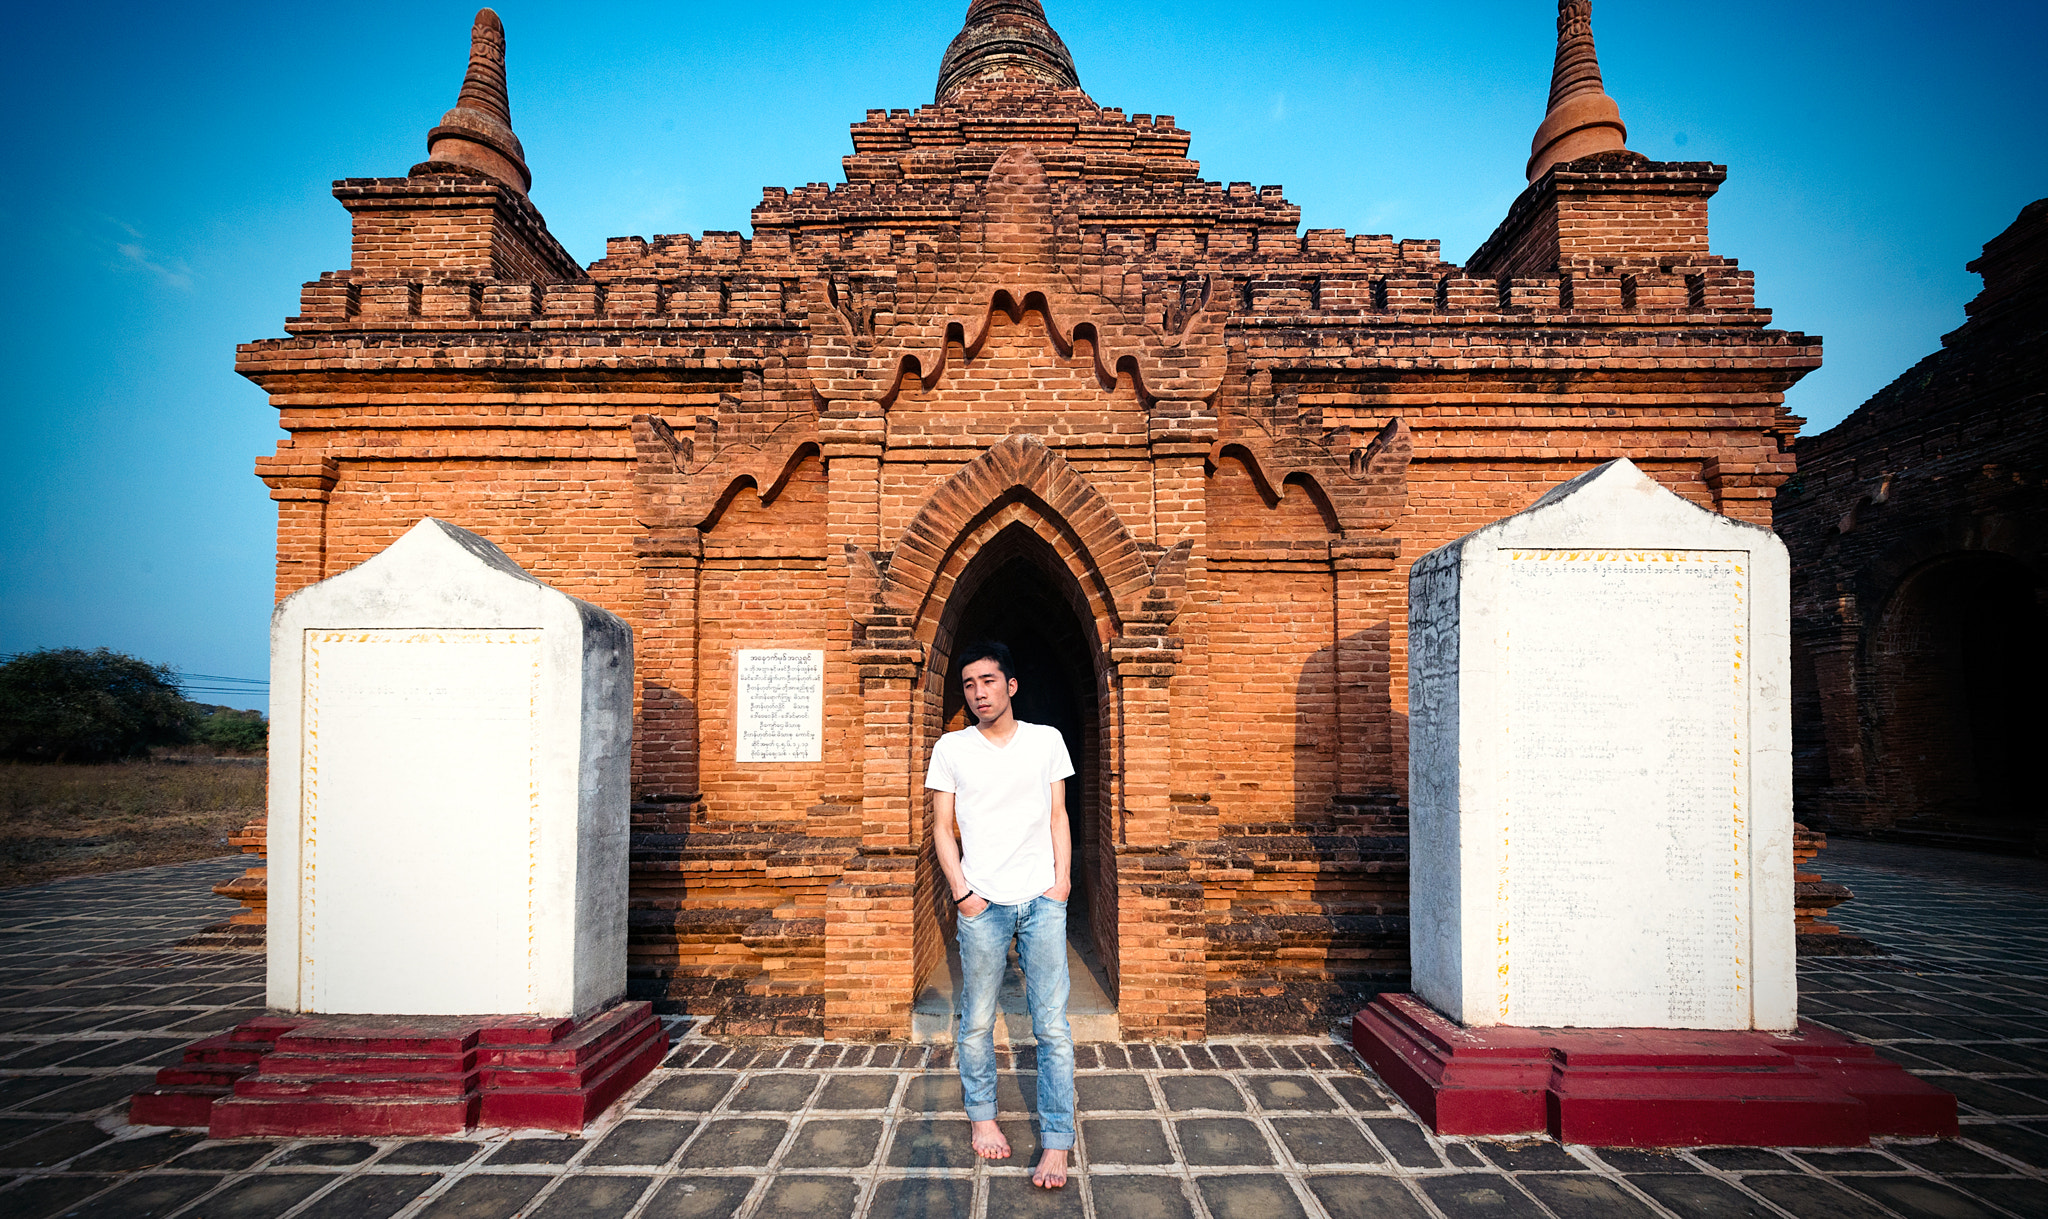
989, 741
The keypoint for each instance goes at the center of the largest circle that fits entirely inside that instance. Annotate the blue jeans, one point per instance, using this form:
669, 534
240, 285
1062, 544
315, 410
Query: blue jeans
1040, 929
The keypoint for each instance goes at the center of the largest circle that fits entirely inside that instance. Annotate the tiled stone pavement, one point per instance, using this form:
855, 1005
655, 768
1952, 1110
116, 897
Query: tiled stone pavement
91, 1002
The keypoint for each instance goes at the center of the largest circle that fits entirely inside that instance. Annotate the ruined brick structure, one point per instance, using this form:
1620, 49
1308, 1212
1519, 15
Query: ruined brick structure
1024, 374
1919, 537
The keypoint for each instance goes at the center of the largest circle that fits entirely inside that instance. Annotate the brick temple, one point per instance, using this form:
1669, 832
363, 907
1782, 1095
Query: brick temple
1024, 373
1920, 584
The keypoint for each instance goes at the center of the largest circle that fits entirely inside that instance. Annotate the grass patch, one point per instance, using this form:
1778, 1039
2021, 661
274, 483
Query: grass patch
58, 821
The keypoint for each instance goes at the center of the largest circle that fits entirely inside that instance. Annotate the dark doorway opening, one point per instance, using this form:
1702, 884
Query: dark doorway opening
1963, 660
1057, 685
1019, 591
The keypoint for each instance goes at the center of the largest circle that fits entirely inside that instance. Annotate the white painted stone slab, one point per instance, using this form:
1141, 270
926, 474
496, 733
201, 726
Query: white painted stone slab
450, 760
779, 705
1600, 766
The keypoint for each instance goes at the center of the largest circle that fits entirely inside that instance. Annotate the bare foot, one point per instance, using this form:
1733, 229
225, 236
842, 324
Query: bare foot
989, 1142
1051, 1172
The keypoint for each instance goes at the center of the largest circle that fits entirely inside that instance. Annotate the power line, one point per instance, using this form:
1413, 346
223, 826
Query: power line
190, 684
213, 686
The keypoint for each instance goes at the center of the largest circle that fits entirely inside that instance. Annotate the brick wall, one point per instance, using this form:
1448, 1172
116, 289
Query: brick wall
1917, 533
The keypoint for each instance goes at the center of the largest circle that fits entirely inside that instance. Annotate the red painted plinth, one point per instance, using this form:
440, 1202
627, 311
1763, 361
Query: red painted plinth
1645, 1087
366, 1076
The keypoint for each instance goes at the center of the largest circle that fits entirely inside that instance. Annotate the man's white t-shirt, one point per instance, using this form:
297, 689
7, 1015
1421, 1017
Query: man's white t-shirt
1002, 802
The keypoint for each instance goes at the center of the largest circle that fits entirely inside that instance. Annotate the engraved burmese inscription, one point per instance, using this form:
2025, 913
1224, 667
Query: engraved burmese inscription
1622, 894
420, 810
781, 711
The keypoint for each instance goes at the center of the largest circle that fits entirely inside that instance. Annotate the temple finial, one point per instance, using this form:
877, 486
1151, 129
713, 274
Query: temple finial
1583, 120
477, 133
1006, 39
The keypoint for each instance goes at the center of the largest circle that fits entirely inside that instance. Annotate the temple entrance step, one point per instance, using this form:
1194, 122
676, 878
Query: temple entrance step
765, 1013
1091, 1013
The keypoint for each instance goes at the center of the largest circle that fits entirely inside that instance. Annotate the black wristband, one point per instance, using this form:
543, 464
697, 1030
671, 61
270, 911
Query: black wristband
958, 900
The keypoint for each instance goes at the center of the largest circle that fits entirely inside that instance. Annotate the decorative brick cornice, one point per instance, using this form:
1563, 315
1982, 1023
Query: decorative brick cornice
295, 474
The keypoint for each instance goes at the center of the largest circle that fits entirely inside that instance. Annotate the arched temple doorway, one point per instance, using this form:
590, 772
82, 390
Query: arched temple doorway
1962, 661
1019, 592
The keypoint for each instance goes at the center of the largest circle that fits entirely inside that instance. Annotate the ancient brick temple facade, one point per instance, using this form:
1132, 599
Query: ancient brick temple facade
1024, 373
1919, 534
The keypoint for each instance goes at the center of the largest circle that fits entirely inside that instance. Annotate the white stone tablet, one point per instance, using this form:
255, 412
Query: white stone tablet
779, 705
450, 753
1600, 766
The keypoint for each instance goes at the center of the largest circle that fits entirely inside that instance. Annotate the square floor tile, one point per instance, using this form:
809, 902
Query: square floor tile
1013, 1195
1534, 1155
809, 1197
1194, 1092
485, 1196
1405, 1141
777, 1092
699, 1198
271, 1194
1699, 1196
1575, 1196
369, 1196
834, 1143
1918, 1197
1113, 1093
933, 1094
1359, 1093
694, 1093
1131, 1196
1326, 1140
1126, 1140
932, 1143
1812, 1198
640, 1141
431, 1153
225, 1157
593, 1197
327, 1155
1361, 1196
1220, 1141
923, 1198
127, 1155
36, 1198
536, 1151
1479, 1195
735, 1142
857, 1092
1289, 1092
1250, 1197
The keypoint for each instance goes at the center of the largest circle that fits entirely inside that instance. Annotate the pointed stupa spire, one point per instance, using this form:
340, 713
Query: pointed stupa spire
1583, 120
1006, 39
477, 134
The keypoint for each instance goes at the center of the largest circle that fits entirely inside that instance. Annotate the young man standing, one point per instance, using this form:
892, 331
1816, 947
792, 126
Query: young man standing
1002, 785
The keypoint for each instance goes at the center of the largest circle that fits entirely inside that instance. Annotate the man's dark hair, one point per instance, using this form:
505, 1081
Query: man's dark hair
988, 649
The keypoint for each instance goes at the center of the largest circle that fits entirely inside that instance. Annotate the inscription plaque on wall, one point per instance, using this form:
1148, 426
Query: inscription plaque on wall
1622, 889
780, 716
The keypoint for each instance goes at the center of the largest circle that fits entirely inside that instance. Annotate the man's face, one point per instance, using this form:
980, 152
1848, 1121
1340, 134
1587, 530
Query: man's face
988, 691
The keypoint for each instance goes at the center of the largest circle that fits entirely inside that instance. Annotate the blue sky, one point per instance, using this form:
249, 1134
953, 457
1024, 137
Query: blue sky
170, 170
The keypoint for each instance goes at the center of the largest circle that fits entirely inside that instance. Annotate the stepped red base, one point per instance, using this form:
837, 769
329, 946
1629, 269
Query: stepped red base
395, 1075
1645, 1087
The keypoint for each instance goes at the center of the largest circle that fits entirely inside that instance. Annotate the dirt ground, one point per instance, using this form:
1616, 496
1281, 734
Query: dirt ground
58, 821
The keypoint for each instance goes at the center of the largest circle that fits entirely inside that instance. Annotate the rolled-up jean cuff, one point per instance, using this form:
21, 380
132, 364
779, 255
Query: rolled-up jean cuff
981, 1113
1056, 1142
